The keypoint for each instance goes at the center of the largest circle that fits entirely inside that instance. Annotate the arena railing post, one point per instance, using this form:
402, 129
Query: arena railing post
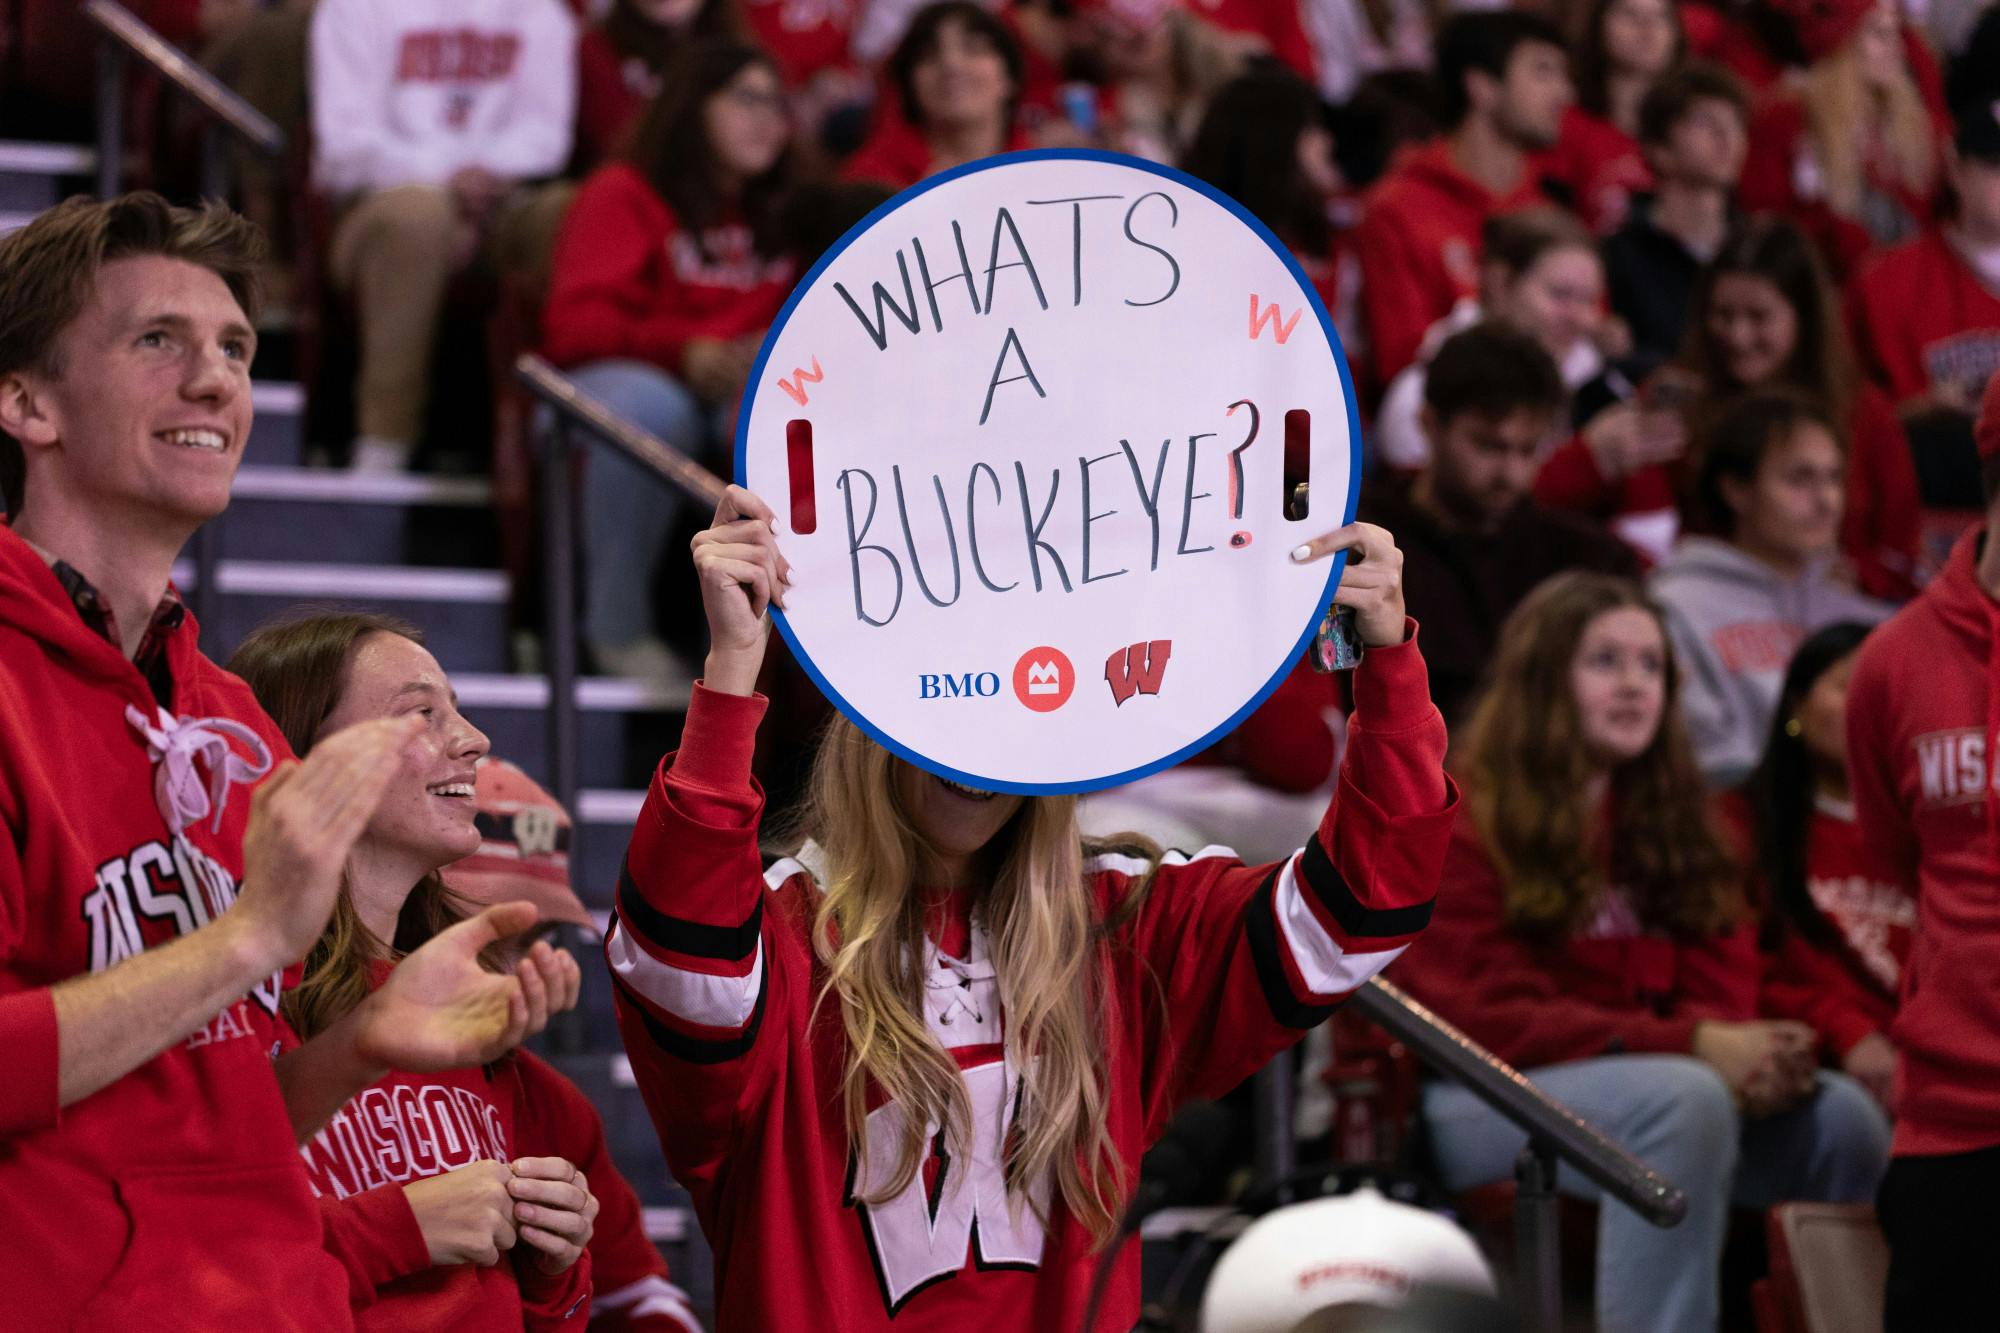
110, 118
1538, 1238
559, 604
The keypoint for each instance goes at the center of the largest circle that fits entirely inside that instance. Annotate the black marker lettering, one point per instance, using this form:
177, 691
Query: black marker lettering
1149, 500
964, 273
1000, 363
972, 525
1173, 220
910, 541
855, 546
878, 332
1187, 513
1076, 204
1089, 518
1004, 221
1033, 528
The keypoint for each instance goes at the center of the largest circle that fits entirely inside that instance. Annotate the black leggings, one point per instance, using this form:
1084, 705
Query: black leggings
1944, 1248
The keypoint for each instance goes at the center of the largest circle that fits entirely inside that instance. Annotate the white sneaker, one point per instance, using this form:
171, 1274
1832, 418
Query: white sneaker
378, 457
650, 662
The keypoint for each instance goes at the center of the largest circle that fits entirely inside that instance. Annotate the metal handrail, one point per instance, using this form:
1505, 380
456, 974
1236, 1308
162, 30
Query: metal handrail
1450, 1052
575, 408
122, 26
125, 35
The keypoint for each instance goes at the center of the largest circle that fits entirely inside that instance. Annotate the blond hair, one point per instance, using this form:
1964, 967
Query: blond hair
1044, 932
1843, 116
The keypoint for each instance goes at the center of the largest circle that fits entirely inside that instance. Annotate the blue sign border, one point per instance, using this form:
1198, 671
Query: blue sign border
1338, 563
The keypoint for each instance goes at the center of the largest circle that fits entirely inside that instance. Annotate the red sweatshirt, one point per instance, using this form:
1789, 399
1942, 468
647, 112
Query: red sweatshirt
896, 155
1617, 988
1845, 988
1600, 165
1220, 966
1881, 531
1922, 318
1922, 712
410, 1127
805, 37
1278, 22
628, 282
1418, 246
171, 1199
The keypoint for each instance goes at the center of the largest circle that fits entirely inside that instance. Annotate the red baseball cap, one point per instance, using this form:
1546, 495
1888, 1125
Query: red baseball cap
1986, 431
523, 847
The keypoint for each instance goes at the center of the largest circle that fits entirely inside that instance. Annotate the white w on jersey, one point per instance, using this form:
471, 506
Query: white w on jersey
925, 1233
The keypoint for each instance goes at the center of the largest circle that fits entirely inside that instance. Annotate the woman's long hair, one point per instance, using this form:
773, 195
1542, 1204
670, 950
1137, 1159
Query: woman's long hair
1592, 62
1821, 364
1843, 116
298, 670
1780, 793
1247, 147
670, 146
1044, 933
1526, 770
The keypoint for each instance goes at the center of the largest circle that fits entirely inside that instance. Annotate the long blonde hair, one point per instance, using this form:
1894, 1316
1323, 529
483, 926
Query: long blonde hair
1044, 933
1842, 115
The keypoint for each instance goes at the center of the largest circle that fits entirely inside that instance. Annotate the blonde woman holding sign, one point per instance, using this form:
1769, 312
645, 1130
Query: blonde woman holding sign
908, 1072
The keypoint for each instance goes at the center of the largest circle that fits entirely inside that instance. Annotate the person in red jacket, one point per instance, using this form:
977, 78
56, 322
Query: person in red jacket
1627, 45
622, 62
149, 904
1836, 928
668, 270
1503, 78
1852, 153
908, 1072
951, 94
1920, 739
451, 1136
1589, 931
1926, 315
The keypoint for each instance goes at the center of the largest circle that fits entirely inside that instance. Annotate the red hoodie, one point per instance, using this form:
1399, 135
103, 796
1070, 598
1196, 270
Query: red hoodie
1922, 317
1600, 165
171, 1199
1418, 245
1216, 967
408, 1127
1616, 988
1922, 713
805, 37
629, 282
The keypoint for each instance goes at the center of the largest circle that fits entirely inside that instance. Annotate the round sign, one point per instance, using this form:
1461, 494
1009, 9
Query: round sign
1035, 431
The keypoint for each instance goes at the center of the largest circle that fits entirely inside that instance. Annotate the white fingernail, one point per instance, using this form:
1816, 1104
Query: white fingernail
1301, 554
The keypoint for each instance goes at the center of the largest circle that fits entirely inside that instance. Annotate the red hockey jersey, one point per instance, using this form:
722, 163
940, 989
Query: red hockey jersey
628, 281
1923, 320
171, 1199
1221, 966
1923, 711
1599, 165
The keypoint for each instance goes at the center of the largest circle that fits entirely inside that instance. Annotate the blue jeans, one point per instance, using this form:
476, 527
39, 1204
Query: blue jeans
1675, 1114
628, 512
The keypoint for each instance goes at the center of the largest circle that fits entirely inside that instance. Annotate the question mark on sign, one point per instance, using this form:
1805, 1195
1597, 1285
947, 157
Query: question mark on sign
1240, 539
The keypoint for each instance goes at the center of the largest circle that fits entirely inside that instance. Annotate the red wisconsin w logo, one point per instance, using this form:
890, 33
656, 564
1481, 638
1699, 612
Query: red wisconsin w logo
1137, 670
796, 388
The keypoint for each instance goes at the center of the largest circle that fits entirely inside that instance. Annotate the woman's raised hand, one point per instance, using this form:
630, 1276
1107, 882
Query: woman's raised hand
742, 576
1372, 583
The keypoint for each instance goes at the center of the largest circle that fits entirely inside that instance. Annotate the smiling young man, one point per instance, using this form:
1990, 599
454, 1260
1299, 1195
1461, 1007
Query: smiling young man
148, 904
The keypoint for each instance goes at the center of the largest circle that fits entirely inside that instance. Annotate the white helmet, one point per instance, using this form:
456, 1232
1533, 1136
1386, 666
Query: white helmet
1357, 1249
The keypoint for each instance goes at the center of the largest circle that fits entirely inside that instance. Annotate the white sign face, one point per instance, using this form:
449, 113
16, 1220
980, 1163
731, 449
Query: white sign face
1026, 430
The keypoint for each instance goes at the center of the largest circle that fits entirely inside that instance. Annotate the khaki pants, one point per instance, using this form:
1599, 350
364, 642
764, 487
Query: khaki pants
395, 251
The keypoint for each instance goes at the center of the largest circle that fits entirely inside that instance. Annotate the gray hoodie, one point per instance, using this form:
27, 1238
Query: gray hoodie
1735, 623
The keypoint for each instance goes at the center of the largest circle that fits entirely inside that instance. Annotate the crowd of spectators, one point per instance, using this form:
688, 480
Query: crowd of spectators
1670, 324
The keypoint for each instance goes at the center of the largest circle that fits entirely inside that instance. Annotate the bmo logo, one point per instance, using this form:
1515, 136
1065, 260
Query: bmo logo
966, 685
1043, 679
